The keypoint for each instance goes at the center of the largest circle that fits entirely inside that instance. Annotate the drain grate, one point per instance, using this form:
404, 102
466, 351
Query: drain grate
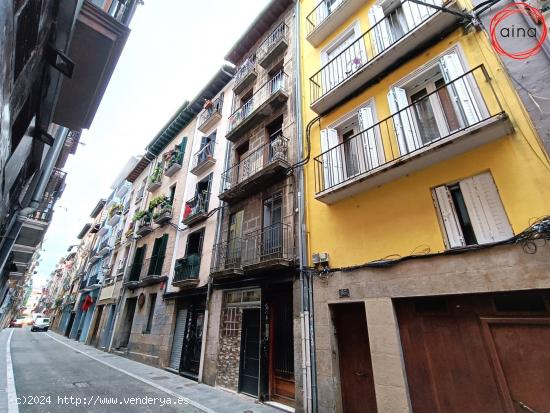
81, 384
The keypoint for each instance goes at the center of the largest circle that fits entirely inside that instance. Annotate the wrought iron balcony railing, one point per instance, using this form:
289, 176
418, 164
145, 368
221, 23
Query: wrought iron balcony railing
214, 108
254, 162
320, 13
382, 35
187, 268
151, 267
272, 42
274, 242
246, 68
463, 104
277, 83
227, 255
204, 154
122, 10
198, 205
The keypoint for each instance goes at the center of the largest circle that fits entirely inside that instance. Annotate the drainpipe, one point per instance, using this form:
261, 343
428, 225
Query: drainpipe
217, 236
308, 349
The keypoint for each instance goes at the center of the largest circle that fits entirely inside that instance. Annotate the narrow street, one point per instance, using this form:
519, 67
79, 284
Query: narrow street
50, 377
53, 374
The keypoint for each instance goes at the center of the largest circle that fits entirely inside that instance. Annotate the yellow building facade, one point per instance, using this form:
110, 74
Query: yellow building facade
421, 157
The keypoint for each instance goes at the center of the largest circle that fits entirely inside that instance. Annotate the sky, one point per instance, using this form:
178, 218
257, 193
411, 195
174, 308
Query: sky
175, 47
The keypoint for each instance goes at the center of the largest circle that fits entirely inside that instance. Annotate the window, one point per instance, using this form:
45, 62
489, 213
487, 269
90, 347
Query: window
140, 191
342, 58
231, 322
172, 194
157, 258
194, 243
435, 104
326, 8
354, 147
471, 212
206, 149
150, 315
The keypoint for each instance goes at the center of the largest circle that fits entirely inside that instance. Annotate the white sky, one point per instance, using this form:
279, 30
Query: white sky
175, 47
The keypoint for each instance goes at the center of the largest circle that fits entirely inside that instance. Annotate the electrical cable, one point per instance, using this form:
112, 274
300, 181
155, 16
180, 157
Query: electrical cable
530, 239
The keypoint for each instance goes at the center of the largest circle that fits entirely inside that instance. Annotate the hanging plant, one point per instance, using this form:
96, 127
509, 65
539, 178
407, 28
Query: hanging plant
139, 215
158, 200
157, 174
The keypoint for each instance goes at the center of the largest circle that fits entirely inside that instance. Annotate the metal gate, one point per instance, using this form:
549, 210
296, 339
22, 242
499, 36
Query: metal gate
177, 343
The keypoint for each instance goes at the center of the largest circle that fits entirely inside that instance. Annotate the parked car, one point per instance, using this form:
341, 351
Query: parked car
41, 324
16, 323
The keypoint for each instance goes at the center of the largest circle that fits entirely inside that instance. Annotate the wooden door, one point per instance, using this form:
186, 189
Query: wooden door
477, 353
250, 352
518, 349
281, 348
128, 321
356, 379
95, 331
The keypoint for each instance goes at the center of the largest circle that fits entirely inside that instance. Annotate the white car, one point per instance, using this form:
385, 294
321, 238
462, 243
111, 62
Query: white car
41, 324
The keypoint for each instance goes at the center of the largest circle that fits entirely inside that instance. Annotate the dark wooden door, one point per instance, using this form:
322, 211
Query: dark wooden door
128, 321
281, 348
250, 352
70, 324
95, 331
472, 354
519, 351
192, 341
356, 377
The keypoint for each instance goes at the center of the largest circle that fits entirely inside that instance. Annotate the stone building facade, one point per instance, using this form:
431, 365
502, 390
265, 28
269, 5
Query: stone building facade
251, 340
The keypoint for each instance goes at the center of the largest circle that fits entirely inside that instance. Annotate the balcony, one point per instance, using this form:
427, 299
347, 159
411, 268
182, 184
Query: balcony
258, 169
226, 259
115, 212
273, 47
245, 76
203, 159
96, 44
34, 226
267, 98
327, 17
173, 161
155, 179
146, 273
118, 237
196, 209
410, 140
104, 248
211, 114
379, 50
144, 225
162, 213
186, 271
268, 249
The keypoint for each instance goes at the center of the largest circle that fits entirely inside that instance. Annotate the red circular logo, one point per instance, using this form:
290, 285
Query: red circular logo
510, 10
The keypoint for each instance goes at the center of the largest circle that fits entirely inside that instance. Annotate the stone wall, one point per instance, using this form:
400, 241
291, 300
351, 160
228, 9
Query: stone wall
501, 268
229, 355
212, 338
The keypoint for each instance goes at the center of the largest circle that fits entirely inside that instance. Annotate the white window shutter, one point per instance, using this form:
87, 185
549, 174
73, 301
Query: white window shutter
332, 161
372, 149
455, 237
464, 98
382, 34
485, 208
397, 98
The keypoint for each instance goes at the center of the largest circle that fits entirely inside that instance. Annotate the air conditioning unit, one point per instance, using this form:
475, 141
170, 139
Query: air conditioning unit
320, 258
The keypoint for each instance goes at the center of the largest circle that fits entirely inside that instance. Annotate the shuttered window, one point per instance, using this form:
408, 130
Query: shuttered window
157, 258
471, 212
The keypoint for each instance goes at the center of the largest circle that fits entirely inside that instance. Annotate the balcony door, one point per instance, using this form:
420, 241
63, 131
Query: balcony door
206, 148
135, 271
274, 131
235, 234
272, 234
193, 252
157, 258
435, 104
326, 8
